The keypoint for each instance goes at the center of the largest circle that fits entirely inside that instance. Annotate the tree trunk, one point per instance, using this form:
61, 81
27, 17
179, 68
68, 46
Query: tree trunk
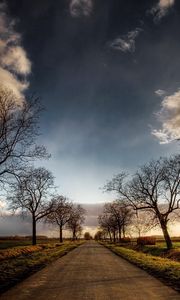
33, 230
123, 229
60, 234
110, 236
114, 236
139, 233
74, 234
119, 232
166, 234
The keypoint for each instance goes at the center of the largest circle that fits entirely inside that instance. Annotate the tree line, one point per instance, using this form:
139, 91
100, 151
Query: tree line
154, 189
31, 190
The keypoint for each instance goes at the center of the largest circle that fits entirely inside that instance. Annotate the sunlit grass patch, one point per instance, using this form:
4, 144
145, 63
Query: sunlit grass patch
17, 251
161, 250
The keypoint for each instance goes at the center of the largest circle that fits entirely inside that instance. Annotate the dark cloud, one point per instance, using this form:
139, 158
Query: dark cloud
17, 225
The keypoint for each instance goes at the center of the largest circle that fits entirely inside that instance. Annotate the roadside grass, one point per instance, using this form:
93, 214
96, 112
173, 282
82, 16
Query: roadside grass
17, 251
13, 269
165, 269
159, 249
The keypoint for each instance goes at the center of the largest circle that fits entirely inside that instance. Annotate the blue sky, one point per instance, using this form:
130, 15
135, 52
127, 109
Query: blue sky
107, 72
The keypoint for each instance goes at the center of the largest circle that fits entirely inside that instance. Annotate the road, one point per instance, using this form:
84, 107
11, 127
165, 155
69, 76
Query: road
91, 272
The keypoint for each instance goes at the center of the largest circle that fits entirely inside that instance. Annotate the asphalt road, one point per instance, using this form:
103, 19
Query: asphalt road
91, 272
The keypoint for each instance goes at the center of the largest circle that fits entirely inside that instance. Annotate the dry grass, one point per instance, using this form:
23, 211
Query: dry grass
17, 251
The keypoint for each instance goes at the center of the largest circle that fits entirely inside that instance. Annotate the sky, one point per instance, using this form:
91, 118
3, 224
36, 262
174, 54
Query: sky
107, 72
16, 224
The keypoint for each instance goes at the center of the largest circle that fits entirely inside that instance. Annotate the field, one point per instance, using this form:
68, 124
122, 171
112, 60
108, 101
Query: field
19, 259
15, 242
156, 260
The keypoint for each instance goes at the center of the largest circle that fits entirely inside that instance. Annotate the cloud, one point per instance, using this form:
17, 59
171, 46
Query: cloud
126, 43
160, 92
14, 63
161, 9
17, 225
169, 116
80, 8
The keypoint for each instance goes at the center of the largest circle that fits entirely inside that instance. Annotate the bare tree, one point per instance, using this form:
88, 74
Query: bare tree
61, 214
99, 235
115, 218
18, 132
122, 213
108, 224
142, 222
76, 220
87, 236
155, 187
31, 194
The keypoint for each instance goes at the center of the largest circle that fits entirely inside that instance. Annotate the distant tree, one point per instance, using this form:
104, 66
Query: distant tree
99, 235
87, 236
155, 187
31, 194
115, 218
61, 214
142, 222
122, 214
107, 224
76, 220
18, 131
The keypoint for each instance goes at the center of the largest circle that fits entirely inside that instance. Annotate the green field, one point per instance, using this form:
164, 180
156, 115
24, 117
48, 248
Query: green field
159, 249
5, 243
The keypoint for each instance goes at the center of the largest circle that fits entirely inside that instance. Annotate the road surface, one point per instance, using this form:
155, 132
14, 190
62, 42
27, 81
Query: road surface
91, 272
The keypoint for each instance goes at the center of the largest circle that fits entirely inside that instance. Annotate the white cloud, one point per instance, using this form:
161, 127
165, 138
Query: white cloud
80, 8
13, 57
161, 9
16, 60
169, 116
126, 43
160, 92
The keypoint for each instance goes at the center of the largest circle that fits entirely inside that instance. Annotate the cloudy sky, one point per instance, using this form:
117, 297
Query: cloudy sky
107, 72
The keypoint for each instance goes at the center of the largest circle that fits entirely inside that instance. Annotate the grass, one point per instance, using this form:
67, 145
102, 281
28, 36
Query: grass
159, 249
11, 243
14, 268
17, 251
165, 269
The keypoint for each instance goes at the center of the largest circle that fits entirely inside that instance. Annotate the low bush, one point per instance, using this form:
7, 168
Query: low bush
174, 255
125, 240
146, 240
